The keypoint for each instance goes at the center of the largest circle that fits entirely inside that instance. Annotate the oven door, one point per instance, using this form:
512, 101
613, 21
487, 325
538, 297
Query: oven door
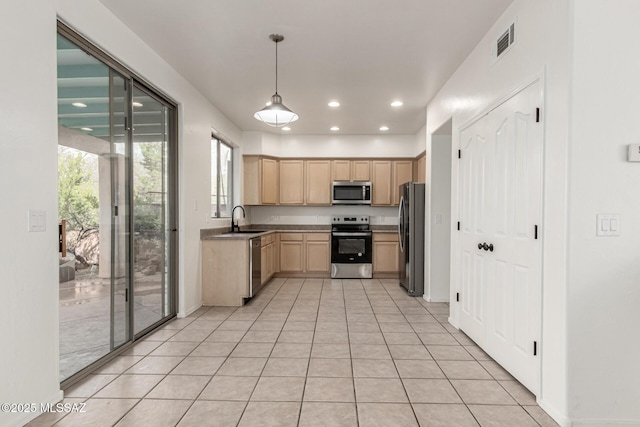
349, 247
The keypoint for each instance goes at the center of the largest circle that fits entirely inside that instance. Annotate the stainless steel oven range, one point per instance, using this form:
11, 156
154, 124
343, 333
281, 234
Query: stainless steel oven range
351, 247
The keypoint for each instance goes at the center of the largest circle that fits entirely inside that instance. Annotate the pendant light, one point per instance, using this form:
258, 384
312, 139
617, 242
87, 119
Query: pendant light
276, 114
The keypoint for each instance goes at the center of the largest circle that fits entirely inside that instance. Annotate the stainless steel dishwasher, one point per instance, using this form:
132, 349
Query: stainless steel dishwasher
255, 266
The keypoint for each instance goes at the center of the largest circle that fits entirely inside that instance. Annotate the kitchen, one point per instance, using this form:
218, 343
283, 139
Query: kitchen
571, 44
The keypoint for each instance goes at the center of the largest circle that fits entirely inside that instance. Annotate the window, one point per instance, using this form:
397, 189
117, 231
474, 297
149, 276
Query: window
221, 178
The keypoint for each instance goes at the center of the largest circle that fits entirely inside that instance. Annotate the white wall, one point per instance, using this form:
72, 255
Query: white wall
437, 285
542, 50
604, 272
28, 134
330, 146
197, 118
28, 176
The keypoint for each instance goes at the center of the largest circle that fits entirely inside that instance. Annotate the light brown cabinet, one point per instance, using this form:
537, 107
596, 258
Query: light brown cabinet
402, 172
318, 182
385, 253
421, 169
381, 182
260, 181
269, 182
267, 257
317, 252
291, 182
305, 252
225, 272
291, 252
351, 170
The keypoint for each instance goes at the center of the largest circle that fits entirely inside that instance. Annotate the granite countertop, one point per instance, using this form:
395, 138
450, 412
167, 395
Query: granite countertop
261, 230
223, 233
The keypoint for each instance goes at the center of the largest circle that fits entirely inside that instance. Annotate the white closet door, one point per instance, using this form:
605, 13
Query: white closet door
514, 293
500, 182
475, 177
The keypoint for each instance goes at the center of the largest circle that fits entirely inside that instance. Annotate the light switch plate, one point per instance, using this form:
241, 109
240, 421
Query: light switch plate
37, 220
607, 225
634, 153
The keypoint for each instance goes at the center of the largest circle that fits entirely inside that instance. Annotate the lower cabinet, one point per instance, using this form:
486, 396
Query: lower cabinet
267, 257
291, 252
318, 252
385, 253
225, 272
305, 252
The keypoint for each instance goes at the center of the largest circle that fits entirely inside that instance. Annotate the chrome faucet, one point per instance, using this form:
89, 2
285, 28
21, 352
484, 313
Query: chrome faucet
234, 225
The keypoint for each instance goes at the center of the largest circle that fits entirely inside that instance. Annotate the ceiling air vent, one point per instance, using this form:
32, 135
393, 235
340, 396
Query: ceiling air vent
505, 41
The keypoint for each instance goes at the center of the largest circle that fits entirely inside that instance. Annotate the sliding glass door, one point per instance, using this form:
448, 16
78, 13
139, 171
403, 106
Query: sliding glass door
152, 235
116, 160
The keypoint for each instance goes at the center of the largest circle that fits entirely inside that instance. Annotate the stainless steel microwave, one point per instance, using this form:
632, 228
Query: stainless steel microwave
351, 193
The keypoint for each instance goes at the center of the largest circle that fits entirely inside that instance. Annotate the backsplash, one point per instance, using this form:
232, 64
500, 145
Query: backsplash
319, 214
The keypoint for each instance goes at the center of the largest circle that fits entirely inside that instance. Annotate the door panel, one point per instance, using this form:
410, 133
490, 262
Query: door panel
500, 178
150, 134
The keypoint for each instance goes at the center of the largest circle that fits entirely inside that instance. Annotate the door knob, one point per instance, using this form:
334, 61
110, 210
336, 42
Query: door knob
480, 246
485, 246
490, 247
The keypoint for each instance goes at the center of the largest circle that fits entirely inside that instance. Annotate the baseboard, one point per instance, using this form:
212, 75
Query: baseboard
188, 312
437, 299
591, 423
26, 417
553, 413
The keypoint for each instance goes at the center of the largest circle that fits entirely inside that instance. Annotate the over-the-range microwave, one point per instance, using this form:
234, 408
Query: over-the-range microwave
351, 193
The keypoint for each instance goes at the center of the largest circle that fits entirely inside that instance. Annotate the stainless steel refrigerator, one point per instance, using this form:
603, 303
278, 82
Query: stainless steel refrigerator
411, 237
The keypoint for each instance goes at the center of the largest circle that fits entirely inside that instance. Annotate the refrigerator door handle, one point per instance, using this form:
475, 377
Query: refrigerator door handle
401, 223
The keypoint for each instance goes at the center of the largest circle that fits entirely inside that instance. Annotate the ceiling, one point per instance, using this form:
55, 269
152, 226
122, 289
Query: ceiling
362, 53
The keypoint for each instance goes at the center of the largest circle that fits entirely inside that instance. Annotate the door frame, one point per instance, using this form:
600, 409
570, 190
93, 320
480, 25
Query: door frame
456, 245
132, 79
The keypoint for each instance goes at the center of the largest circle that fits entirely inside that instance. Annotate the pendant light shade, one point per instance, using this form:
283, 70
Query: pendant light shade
276, 114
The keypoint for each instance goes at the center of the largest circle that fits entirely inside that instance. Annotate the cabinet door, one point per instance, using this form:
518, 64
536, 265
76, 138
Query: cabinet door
422, 169
317, 252
385, 257
251, 180
269, 181
318, 182
360, 170
264, 274
381, 182
292, 252
291, 182
341, 170
402, 172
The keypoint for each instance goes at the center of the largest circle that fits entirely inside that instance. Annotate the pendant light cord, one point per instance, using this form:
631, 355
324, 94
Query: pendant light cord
276, 67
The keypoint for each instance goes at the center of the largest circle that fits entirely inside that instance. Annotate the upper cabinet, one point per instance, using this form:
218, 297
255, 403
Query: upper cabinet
318, 182
381, 182
269, 181
402, 172
260, 181
421, 169
291, 182
351, 170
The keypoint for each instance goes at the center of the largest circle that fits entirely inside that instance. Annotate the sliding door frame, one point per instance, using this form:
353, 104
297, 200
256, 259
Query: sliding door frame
132, 79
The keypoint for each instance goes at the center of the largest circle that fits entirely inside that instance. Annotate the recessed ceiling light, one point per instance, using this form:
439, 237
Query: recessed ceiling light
79, 105
87, 129
334, 104
396, 104
137, 104
287, 128
384, 127
335, 128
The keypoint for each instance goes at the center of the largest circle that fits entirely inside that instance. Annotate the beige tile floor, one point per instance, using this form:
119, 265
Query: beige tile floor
306, 352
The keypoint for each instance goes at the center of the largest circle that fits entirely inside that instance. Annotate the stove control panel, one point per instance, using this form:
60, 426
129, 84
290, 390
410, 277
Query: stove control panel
350, 220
